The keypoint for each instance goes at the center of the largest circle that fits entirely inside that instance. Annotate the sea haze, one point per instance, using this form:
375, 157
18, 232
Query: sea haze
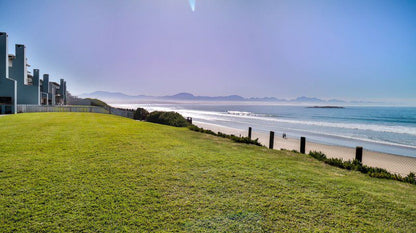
383, 129
121, 98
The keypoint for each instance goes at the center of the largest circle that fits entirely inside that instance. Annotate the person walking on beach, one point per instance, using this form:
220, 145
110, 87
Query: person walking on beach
284, 135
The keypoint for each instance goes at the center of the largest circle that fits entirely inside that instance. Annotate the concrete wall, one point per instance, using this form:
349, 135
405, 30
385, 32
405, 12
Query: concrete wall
8, 87
26, 94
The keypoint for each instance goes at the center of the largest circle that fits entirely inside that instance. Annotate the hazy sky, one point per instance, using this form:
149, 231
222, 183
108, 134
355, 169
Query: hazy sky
329, 49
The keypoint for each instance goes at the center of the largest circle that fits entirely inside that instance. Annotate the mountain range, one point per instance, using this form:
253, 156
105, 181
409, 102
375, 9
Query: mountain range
119, 97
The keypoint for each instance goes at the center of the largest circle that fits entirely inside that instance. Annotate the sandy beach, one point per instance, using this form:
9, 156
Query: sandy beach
393, 163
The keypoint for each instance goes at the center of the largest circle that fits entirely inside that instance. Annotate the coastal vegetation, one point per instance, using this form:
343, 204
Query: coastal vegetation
245, 140
356, 165
98, 103
167, 118
140, 114
86, 172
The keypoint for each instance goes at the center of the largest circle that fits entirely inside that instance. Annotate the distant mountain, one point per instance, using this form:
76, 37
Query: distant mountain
113, 96
336, 101
188, 96
267, 99
105, 95
117, 97
304, 99
180, 96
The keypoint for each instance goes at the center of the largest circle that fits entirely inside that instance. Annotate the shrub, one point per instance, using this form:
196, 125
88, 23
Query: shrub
201, 130
356, 165
317, 155
140, 114
99, 103
245, 140
411, 178
167, 118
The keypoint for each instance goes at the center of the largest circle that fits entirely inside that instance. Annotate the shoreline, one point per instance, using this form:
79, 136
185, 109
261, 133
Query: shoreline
402, 165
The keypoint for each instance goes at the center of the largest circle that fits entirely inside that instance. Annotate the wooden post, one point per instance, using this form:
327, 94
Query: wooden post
302, 145
249, 133
271, 141
359, 154
189, 120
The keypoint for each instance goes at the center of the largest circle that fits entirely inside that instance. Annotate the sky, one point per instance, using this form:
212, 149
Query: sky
351, 50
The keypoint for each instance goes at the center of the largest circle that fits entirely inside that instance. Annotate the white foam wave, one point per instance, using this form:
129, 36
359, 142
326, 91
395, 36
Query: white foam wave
359, 139
353, 126
238, 113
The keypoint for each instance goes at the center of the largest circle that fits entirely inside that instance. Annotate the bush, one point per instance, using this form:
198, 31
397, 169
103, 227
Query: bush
318, 155
411, 178
356, 165
167, 118
201, 130
245, 140
140, 114
98, 103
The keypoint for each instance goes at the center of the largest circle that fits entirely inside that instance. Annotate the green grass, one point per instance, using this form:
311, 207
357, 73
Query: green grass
85, 172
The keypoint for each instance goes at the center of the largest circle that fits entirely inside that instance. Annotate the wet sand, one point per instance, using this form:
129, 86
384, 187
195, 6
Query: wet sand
393, 163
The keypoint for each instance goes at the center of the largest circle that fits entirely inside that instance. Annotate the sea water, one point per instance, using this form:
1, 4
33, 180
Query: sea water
383, 129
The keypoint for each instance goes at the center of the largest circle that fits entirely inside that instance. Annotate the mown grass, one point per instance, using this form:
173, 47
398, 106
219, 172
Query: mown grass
85, 172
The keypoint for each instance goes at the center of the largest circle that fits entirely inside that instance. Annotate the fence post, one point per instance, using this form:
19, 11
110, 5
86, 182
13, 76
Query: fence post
249, 133
189, 120
359, 154
302, 145
271, 141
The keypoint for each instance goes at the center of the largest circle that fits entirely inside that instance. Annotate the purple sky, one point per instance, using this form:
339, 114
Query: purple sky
329, 49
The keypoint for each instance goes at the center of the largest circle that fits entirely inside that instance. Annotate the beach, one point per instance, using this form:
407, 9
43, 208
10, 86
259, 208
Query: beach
402, 165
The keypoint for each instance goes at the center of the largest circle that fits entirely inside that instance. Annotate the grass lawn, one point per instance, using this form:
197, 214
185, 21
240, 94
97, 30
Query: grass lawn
86, 172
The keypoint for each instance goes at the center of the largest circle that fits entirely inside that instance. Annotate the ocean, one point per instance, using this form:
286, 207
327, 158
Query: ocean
383, 129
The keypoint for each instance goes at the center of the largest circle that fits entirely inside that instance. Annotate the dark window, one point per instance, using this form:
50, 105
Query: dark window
5, 100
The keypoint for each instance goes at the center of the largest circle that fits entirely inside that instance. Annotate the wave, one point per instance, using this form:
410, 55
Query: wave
351, 126
329, 135
238, 113
232, 116
354, 126
357, 138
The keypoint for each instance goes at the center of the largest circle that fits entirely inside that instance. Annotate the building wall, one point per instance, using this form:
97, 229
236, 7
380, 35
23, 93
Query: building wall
45, 83
45, 89
53, 91
8, 87
26, 94
14, 83
62, 91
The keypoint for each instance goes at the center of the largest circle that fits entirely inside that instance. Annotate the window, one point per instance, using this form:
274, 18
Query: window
5, 100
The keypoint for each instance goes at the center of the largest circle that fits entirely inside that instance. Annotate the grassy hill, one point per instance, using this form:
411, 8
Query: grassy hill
85, 172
